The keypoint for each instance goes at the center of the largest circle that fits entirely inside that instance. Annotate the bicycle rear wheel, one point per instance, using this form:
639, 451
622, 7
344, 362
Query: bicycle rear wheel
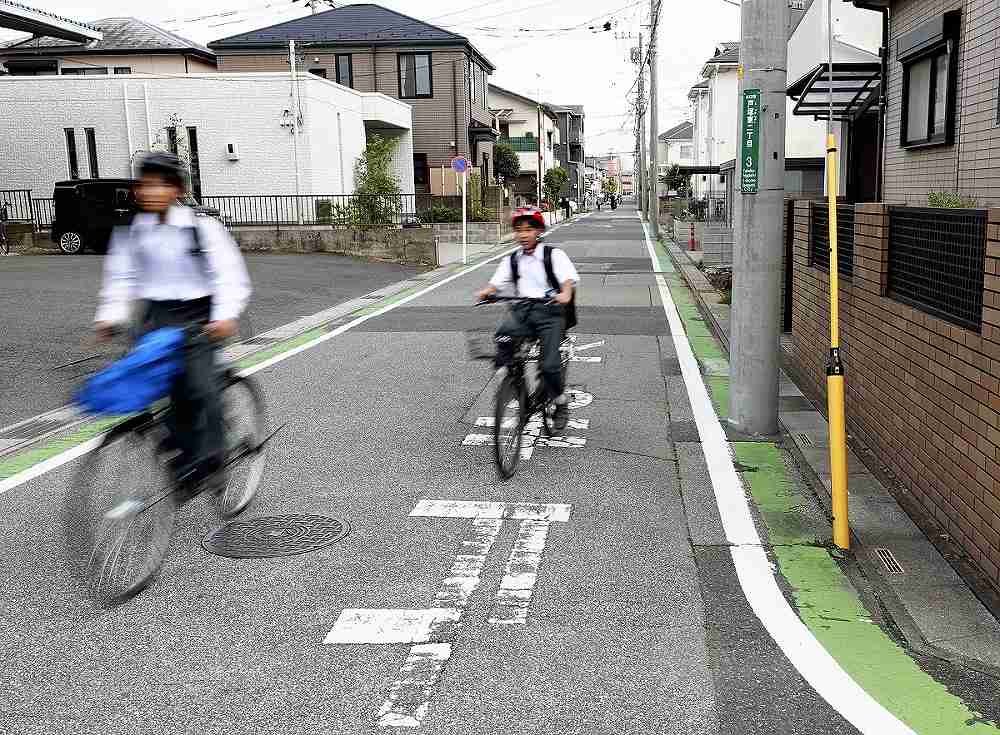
510, 416
245, 419
119, 517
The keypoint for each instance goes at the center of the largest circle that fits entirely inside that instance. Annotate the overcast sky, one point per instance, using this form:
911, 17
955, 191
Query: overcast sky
575, 66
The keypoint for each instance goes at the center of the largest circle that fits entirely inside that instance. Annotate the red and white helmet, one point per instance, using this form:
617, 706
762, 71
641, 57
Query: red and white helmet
529, 213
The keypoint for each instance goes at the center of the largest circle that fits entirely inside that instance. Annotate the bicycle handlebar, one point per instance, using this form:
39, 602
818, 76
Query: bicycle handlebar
523, 299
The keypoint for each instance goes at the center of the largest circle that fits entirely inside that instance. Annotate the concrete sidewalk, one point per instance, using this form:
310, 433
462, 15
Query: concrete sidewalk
935, 609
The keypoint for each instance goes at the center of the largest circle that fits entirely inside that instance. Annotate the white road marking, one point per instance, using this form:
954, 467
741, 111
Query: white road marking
81, 449
555, 512
753, 569
521, 574
389, 626
490, 421
410, 695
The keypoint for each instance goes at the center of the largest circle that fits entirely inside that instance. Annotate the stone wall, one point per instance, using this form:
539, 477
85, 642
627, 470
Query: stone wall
410, 245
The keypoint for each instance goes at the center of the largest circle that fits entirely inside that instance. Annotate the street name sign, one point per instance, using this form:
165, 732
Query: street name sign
750, 140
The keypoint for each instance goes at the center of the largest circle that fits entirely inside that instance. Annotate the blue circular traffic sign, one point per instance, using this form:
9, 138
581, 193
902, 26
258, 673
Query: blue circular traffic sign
459, 164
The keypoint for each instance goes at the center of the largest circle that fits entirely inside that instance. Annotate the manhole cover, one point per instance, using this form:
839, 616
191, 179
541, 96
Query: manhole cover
287, 535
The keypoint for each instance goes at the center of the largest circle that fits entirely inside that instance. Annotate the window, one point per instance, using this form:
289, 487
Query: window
172, 140
421, 178
472, 82
687, 151
123, 70
928, 56
92, 152
415, 79
84, 71
192, 133
319, 72
74, 163
345, 70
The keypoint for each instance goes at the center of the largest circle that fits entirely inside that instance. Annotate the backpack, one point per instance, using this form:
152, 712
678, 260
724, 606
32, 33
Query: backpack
569, 310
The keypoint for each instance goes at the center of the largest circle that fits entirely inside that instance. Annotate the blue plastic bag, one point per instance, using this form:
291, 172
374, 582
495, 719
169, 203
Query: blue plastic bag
138, 380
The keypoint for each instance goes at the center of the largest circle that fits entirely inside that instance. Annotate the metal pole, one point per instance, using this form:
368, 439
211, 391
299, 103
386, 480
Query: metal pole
465, 229
757, 219
653, 179
295, 132
641, 163
834, 366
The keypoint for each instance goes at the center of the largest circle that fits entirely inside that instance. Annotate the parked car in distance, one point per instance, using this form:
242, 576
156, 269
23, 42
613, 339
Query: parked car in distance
87, 210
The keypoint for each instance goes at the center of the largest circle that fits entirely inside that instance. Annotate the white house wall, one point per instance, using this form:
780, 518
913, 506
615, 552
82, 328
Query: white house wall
725, 115
245, 109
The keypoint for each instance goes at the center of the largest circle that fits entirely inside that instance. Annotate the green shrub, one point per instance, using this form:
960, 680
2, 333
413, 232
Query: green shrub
950, 200
441, 213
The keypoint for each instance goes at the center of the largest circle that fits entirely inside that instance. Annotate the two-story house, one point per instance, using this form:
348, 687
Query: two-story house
676, 147
531, 128
126, 46
570, 152
714, 103
369, 48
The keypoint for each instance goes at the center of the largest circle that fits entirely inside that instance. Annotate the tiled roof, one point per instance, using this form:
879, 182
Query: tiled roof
364, 23
60, 18
121, 35
575, 109
700, 85
684, 131
727, 52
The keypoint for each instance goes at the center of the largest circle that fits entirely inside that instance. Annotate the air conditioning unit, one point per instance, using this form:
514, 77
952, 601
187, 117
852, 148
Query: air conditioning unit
233, 151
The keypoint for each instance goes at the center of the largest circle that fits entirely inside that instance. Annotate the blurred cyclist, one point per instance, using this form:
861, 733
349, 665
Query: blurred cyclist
190, 273
537, 272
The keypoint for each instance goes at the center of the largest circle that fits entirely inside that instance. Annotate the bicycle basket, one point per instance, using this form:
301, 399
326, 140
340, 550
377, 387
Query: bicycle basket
133, 383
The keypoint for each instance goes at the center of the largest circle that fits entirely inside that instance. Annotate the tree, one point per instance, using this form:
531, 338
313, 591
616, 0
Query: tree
553, 183
505, 163
171, 137
378, 199
676, 180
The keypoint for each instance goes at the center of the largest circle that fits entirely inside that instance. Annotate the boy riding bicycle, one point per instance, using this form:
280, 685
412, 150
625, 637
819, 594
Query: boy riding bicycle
190, 273
537, 271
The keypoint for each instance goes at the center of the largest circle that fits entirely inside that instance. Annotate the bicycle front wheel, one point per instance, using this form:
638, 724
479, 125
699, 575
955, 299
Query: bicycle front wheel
119, 517
245, 427
510, 416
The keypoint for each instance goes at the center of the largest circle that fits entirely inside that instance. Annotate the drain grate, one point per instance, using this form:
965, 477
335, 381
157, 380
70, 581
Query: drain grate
804, 440
888, 560
268, 537
372, 297
261, 340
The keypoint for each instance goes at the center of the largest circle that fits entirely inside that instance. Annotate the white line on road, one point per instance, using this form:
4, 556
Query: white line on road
409, 696
753, 569
389, 626
556, 512
518, 583
81, 449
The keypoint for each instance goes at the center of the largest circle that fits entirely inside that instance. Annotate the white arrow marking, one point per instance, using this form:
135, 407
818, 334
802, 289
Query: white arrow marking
390, 626
556, 512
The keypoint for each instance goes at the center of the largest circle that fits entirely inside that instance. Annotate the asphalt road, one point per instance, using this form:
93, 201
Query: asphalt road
635, 623
47, 304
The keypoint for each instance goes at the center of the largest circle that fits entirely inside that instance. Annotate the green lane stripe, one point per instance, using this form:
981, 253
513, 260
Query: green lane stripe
22, 461
825, 599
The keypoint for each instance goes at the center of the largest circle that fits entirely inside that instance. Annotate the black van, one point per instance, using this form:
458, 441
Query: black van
87, 210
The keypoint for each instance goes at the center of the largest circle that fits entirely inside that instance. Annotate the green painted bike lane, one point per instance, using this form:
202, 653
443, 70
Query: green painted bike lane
823, 595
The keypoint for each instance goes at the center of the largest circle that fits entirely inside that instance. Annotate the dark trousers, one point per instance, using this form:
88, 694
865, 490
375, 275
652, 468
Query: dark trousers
195, 418
544, 321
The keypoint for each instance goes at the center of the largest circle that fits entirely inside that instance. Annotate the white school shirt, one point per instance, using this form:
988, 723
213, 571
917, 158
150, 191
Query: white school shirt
532, 282
150, 260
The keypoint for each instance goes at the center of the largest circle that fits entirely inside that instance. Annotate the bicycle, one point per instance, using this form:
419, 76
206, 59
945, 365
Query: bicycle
514, 404
119, 518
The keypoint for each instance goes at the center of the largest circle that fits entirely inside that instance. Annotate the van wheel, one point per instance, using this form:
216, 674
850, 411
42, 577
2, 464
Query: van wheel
71, 243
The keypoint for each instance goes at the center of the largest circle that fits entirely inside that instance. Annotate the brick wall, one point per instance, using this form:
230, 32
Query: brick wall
967, 166
922, 394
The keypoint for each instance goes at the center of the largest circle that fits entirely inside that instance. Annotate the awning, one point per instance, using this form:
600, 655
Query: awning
855, 90
18, 17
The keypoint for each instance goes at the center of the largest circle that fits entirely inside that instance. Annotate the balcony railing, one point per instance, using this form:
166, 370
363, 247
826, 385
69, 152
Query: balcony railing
524, 144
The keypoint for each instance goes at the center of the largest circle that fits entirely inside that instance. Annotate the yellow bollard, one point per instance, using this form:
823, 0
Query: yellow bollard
835, 368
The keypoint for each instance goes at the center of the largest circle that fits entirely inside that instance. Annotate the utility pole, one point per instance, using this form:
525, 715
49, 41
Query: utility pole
640, 165
654, 200
295, 129
538, 109
757, 217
